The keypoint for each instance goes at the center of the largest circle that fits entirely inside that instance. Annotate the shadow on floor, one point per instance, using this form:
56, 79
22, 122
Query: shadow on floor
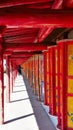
18, 100
18, 118
19, 91
19, 85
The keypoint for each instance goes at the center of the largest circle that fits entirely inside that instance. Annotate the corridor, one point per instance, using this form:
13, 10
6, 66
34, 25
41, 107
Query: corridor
24, 112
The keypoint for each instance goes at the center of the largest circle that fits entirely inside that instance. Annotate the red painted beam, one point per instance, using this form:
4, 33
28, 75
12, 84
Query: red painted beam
22, 40
57, 5
16, 57
7, 53
20, 31
21, 49
1, 89
68, 4
25, 47
44, 17
19, 60
8, 3
21, 55
46, 33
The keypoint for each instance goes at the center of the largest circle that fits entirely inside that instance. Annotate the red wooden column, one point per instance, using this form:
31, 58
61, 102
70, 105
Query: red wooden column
45, 77
59, 86
42, 77
51, 80
8, 80
38, 80
27, 69
56, 79
1, 89
31, 71
12, 77
34, 74
11, 82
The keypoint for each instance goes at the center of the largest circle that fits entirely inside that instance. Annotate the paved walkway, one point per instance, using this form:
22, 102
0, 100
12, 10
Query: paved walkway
24, 112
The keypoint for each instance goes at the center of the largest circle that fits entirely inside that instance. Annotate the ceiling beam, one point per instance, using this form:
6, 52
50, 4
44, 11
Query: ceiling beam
8, 3
27, 53
68, 4
46, 33
25, 47
20, 55
34, 17
56, 5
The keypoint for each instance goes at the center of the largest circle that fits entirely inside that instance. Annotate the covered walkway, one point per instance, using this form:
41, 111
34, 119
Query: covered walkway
36, 38
24, 111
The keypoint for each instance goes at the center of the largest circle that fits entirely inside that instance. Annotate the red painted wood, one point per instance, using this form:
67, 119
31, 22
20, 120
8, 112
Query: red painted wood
25, 47
57, 4
12, 77
8, 80
68, 3
23, 17
51, 79
1, 90
7, 3
46, 33
59, 89
45, 76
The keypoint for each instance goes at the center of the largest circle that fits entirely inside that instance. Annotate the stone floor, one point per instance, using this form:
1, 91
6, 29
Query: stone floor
24, 112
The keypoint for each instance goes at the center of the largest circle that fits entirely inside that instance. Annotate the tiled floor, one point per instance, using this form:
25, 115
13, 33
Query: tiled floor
24, 112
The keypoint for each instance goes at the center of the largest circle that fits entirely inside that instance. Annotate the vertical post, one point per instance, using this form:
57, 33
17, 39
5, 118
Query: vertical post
53, 82
11, 86
26, 70
59, 113
38, 80
33, 72
34, 75
8, 80
1, 88
45, 62
12, 77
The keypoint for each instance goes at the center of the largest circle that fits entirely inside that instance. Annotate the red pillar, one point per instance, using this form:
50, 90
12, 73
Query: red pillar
45, 77
38, 80
11, 77
52, 80
8, 80
11, 82
34, 74
1, 90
